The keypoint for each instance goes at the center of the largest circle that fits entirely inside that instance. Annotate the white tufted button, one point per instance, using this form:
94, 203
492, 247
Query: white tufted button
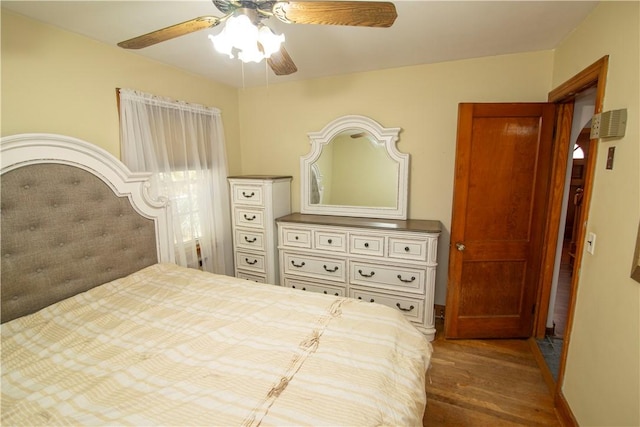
26, 186
15, 297
61, 244
32, 228
81, 221
38, 270
86, 257
104, 234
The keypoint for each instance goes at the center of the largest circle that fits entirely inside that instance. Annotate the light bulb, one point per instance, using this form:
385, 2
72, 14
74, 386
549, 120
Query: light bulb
269, 41
242, 32
251, 55
253, 44
222, 43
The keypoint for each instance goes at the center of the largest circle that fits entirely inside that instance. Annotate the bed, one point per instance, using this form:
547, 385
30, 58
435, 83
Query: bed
100, 327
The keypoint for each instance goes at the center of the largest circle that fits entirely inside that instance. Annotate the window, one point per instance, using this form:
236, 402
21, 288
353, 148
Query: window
182, 145
185, 188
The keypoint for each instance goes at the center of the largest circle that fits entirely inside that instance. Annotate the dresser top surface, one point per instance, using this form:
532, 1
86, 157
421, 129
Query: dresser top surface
261, 177
416, 225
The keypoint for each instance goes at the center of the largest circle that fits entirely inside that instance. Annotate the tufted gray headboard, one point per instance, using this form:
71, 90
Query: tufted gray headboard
72, 218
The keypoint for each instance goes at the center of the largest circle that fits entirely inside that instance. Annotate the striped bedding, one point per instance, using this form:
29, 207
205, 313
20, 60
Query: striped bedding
175, 346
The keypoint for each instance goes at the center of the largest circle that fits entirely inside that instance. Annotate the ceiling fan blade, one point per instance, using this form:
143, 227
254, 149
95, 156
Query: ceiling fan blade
281, 63
171, 32
357, 13
226, 6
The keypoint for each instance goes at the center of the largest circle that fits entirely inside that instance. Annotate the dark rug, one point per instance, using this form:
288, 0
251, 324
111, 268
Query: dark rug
551, 349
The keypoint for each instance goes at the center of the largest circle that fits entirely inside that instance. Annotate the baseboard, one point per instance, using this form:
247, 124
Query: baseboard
438, 311
563, 411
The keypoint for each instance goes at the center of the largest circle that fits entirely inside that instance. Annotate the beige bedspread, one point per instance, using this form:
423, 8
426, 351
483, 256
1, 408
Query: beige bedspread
174, 346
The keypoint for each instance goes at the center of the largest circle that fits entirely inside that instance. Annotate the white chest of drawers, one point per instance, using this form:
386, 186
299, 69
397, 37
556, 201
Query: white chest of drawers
256, 201
391, 262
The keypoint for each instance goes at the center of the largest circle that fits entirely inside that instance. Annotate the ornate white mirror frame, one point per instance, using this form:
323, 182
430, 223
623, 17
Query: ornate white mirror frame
309, 171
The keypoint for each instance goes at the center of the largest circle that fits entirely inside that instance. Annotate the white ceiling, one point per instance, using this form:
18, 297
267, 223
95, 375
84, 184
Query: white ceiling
424, 32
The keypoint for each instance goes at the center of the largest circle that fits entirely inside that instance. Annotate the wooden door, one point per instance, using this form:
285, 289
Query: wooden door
502, 179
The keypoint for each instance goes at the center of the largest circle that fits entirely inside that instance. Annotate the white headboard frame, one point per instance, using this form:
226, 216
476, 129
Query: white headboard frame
36, 148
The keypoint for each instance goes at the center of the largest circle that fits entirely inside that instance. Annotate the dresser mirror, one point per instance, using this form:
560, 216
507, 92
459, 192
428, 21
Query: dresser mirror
355, 169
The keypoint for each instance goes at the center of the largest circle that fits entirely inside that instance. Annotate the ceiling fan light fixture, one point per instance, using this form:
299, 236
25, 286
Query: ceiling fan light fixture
244, 35
241, 35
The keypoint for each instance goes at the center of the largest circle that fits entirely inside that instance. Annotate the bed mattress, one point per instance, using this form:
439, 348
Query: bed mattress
175, 346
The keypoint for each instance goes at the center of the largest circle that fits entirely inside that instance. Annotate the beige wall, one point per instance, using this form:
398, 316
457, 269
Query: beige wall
422, 100
602, 381
55, 81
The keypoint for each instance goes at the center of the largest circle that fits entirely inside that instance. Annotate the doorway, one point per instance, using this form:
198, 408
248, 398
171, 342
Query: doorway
567, 247
564, 96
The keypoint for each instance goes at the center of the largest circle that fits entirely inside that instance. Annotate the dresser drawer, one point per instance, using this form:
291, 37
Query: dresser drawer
313, 266
314, 287
412, 308
253, 277
363, 244
248, 239
404, 279
333, 241
250, 261
403, 248
246, 194
295, 237
253, 218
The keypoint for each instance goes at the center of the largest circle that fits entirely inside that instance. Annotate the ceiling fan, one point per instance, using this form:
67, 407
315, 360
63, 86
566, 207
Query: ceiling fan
352, 13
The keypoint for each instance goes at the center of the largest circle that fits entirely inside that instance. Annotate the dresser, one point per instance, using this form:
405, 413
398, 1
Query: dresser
391, 262
256, 201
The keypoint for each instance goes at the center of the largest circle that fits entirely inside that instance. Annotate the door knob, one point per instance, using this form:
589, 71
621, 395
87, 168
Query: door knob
460, 246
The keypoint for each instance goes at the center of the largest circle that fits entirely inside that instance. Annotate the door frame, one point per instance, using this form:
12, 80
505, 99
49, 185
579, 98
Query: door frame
564, 96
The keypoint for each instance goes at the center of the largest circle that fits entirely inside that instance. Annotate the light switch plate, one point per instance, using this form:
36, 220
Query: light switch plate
591, 243
610, 154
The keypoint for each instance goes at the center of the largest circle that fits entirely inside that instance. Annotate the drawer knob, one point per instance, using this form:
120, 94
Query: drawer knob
406, 249
329, 241
366, 275
406, 280
246, 239
404, 309
371, 300
248, 196
294, 287
330, 270
297, 265
297, 238
249, 218
250, 262
366, 244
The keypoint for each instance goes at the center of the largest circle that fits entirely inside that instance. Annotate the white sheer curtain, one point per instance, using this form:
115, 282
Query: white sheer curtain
182, 144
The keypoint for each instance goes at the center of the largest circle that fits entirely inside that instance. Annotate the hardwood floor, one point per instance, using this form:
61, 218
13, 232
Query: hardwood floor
563, 293
486, 383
